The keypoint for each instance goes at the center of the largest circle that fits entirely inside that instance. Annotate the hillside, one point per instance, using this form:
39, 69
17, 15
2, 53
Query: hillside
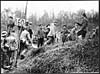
81, 56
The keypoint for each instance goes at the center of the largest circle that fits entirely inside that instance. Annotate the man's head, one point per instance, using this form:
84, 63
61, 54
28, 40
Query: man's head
55, 22
76, 24
64, 26
13, 33
30, 23
47, 25
40, 26
10, 19
83, 16
26, 23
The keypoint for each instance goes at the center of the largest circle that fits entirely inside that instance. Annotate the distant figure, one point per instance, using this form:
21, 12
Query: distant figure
58, 37
95, 33
40, 35
64, 34
46, 31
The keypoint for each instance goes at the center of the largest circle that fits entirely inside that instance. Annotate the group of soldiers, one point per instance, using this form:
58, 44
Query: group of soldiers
45, 35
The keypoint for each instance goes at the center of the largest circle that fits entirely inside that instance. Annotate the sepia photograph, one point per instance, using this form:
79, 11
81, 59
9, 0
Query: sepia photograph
49, 37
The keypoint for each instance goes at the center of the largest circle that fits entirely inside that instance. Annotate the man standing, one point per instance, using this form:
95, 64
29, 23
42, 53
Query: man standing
13, 45
24, 39
30, 30
10, 25
4, 51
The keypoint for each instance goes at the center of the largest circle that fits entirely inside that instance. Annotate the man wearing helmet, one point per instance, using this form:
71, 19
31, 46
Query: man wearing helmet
4, 51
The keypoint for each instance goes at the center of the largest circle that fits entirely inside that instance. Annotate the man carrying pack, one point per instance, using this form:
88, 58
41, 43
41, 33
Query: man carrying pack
12, 42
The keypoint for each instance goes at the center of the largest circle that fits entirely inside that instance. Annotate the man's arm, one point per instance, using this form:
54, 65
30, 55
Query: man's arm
28, 37
84, 24
7, 26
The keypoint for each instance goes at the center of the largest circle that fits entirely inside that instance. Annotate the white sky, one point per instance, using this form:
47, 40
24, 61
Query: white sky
38, 7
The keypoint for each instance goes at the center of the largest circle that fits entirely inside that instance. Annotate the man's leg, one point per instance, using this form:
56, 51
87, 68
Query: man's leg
42, 41
84, 34
39, 42
48, 41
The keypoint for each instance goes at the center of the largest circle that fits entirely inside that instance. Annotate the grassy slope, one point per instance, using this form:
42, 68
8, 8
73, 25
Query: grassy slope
73, 57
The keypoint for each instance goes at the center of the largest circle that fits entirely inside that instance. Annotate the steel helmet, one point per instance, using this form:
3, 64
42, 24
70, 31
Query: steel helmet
4, 33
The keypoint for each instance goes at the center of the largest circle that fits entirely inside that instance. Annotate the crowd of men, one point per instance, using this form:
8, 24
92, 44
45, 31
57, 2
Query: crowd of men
45, 35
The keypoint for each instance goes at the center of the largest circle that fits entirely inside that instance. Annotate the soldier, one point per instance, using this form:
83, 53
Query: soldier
10, 25
25, 40
52, 33
46, 31
40, 35
13, 45
4, 51
84, 26
73, 33
64, 34
30, 30
95, 32
58, 37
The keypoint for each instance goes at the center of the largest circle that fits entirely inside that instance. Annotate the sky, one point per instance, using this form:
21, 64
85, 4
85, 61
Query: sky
38, 7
